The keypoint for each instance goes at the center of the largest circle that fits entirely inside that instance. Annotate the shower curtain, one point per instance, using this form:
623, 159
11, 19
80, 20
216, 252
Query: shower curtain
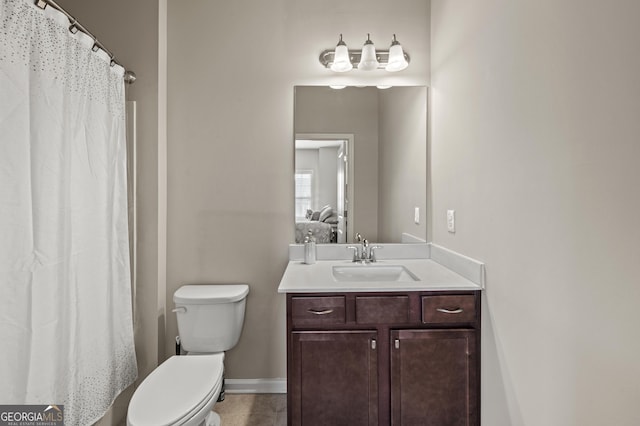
65, 305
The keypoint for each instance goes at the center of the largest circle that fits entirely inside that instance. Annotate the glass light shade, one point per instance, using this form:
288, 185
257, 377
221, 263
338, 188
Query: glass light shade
341, 60
397, 62
368, 59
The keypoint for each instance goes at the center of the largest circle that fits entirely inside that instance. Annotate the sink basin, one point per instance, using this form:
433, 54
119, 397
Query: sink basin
370, 272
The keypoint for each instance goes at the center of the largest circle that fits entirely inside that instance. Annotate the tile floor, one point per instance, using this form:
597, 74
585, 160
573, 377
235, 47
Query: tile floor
253, 410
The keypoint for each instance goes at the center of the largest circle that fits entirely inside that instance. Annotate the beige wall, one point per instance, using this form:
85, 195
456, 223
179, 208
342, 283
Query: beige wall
402, 177
232, 67
535, 145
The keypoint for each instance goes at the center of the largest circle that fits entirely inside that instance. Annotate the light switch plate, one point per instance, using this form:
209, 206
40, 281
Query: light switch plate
451, 220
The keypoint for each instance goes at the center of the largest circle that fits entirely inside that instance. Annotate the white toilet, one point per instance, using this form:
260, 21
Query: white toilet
183, 389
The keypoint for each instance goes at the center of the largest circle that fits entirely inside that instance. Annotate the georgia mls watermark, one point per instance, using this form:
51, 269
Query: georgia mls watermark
31, 415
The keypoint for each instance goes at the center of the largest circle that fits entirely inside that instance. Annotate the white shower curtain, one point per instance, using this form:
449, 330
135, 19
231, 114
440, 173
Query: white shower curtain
65, 304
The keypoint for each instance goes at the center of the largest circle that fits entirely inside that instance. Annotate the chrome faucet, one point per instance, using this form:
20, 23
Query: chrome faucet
364, 253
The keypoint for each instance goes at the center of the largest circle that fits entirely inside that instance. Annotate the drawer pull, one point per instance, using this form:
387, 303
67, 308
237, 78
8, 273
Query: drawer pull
319, 311
450, 311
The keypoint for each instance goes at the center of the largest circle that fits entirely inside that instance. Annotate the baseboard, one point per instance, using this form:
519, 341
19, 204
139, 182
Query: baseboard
255, 385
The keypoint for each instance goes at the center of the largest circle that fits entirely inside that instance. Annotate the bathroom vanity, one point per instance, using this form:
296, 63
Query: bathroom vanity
379, 352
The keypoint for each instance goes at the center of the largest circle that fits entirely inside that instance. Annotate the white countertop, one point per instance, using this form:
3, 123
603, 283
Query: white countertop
318, 278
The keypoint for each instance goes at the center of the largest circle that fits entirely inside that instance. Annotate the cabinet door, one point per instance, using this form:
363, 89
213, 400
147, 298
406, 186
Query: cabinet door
334, 378
434, 378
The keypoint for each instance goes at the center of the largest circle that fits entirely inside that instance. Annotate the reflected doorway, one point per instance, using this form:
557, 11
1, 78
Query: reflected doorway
324, 187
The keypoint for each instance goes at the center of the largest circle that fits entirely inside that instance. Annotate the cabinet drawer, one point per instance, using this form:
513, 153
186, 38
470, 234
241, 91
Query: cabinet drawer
317, 310
448, 309
382, 309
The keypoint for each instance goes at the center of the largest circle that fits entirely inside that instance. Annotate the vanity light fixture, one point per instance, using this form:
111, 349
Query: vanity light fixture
341, 59
397, 61
368, 59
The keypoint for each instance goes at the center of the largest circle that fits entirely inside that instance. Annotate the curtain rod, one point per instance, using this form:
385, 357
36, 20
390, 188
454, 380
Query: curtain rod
129, 76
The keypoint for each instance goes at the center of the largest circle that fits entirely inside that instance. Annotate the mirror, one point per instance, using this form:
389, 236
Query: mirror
361, 163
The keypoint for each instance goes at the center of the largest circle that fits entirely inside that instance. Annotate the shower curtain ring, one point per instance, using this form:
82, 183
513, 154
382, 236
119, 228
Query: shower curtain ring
73, 28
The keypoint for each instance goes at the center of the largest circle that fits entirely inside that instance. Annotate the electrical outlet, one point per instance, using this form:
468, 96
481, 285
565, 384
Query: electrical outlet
416, 215
451, 220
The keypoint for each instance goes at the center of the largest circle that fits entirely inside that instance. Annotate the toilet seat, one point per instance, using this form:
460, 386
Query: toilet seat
177, 390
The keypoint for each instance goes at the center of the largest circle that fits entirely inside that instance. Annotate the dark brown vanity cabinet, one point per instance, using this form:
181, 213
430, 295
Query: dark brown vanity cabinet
384, 359
433, 377
335, 376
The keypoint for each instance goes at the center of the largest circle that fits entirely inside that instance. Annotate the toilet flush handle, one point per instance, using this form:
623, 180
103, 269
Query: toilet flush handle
181, 309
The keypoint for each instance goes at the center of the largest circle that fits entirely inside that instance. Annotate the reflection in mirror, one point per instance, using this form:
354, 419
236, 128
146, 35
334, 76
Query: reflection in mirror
361, 163
322, 166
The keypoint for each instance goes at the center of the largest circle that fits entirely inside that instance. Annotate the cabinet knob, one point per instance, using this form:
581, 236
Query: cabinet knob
373, 344
396, 343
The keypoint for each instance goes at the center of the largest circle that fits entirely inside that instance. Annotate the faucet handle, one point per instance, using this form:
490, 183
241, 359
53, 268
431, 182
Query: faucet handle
355, 252
372, 252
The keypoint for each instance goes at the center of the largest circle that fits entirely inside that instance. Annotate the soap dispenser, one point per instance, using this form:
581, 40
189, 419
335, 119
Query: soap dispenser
309, 248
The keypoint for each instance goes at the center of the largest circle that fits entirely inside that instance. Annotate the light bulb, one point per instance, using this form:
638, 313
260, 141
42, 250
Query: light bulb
368, 59
397, 61
341, 60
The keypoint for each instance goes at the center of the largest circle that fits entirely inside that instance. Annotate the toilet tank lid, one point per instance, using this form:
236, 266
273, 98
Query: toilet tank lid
206, 294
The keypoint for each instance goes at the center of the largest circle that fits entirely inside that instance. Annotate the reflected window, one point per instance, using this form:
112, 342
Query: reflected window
304, 192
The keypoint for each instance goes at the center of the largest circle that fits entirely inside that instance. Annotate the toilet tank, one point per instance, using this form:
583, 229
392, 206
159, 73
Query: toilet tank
210, 316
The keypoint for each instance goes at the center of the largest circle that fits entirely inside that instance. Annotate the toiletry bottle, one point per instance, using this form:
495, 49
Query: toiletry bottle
309, 249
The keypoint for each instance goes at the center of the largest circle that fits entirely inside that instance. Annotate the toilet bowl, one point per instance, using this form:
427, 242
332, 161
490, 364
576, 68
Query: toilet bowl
183, 390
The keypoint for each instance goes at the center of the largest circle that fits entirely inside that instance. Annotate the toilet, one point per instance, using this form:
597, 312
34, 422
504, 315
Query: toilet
183, 389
